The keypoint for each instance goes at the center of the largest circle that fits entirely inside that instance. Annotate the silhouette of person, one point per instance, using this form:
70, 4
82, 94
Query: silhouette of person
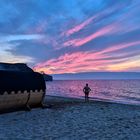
86, 90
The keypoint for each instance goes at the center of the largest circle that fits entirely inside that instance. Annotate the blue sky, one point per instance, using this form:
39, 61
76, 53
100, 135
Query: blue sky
71, 36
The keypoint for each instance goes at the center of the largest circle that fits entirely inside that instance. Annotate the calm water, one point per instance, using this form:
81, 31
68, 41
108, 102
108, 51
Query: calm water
124, 91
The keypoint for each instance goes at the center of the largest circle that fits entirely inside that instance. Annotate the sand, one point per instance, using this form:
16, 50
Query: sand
73, 119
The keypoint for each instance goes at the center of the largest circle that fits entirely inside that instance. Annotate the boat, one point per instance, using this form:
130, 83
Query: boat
20, 89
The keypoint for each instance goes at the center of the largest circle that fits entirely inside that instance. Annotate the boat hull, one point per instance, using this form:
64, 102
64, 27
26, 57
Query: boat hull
21, 100
21, 90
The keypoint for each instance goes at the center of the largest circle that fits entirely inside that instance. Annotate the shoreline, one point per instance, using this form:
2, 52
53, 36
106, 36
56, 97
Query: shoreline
54, 98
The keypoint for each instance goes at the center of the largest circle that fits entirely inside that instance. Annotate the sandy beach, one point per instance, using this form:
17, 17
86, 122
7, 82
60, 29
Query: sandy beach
73, 119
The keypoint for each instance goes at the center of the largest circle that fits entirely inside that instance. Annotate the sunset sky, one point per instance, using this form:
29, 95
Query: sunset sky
71, 36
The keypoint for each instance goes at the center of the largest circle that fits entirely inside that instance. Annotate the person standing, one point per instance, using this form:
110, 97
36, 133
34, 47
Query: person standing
86, 90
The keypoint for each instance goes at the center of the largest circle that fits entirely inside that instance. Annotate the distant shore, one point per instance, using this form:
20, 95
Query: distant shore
73, 119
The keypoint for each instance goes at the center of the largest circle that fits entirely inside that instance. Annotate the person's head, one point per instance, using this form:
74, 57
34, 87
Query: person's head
86, 84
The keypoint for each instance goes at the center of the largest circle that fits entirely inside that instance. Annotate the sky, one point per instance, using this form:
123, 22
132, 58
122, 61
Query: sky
71, 36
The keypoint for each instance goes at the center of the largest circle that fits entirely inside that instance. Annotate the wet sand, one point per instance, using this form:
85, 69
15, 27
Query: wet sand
73, 119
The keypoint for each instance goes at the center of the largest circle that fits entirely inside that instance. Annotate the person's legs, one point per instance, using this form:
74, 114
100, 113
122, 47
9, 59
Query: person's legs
86, 97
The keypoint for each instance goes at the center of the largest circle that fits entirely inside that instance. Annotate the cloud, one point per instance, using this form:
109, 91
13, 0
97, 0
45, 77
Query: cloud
102, 32
94, 61
7, 56
120, 47
71, 64
9, 38
125, 66
79, 27
71, 36
9, 44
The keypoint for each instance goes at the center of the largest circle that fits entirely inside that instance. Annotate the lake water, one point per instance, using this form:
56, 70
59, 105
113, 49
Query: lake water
123, 91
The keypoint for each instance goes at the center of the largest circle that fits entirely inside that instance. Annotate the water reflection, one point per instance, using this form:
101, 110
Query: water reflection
126, 91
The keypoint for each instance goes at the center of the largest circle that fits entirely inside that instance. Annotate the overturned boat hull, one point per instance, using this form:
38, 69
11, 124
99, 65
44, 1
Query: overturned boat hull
21, 90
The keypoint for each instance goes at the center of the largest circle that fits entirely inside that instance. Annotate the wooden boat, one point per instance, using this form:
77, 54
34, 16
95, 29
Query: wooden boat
21, 89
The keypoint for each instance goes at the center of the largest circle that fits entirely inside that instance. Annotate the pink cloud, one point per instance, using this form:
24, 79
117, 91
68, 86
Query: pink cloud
120, 46
99, 33
78, 42
71, 42
125, 66
88, 21
67, 63
79, 27
74, 62
88, 61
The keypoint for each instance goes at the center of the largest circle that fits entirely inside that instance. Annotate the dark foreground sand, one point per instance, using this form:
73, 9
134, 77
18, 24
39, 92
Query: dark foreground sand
72, 119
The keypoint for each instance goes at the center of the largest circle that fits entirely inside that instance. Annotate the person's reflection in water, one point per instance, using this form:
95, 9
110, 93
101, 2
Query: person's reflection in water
86, 90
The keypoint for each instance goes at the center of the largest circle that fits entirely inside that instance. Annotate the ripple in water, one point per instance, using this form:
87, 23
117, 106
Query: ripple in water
123, 91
